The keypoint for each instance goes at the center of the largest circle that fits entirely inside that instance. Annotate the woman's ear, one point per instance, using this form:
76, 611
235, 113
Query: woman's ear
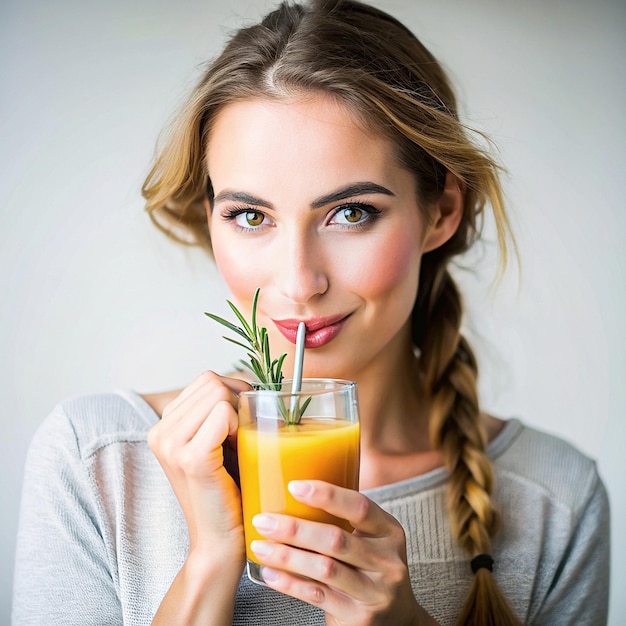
447, 213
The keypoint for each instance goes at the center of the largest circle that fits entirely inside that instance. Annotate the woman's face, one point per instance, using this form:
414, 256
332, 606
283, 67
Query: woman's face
322, 218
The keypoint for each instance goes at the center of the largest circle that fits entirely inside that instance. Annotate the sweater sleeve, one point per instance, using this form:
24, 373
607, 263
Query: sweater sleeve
63, 574
579, 593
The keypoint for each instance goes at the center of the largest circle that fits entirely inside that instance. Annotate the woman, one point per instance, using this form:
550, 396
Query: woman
321, 159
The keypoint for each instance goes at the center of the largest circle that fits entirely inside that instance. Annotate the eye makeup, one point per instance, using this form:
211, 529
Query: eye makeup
354, 215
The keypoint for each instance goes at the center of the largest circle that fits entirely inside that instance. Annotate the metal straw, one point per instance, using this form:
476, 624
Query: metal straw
296, 384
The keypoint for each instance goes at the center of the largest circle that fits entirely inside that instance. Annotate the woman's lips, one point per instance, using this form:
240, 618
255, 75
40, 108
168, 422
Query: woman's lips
319, 331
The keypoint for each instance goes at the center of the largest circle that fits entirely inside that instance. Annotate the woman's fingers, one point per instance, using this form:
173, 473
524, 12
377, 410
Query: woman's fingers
349, 594
334, 602
358, 549
366, 517
323, 538
185, 414
204, 450
206, 381
313, 566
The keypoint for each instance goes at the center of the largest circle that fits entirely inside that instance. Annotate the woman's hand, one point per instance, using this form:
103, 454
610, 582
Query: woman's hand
356, 578
188, 443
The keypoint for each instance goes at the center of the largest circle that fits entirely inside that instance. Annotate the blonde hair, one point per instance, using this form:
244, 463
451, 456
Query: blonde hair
393, 85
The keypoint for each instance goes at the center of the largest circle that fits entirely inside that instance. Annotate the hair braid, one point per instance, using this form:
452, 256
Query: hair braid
449, 374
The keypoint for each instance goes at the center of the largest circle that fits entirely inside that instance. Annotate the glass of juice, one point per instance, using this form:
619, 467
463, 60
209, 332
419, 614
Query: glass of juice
323, 445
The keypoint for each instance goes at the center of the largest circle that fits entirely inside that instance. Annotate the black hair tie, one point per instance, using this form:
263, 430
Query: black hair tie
482, 560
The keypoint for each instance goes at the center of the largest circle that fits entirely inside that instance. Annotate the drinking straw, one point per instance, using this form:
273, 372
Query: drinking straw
296, 384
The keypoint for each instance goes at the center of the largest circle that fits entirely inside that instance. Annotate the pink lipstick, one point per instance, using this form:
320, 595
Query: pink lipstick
319, 330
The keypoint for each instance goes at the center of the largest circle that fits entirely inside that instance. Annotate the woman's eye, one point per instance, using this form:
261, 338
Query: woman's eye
353, 215
249, 219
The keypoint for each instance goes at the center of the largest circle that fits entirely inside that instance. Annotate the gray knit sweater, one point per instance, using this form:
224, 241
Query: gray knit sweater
102, 536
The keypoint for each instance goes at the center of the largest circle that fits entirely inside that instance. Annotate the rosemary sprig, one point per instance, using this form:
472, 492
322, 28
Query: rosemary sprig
255, 341
267, 371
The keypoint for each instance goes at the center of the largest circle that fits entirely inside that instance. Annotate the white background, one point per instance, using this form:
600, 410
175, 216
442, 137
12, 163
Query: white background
92, 297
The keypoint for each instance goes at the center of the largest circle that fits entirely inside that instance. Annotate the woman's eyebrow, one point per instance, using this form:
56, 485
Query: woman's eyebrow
355, 189
242, 196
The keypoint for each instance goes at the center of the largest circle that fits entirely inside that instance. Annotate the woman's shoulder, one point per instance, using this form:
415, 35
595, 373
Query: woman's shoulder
546, 462
88, 422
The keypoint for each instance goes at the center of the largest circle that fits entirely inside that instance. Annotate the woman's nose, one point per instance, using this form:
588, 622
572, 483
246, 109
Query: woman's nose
303, 273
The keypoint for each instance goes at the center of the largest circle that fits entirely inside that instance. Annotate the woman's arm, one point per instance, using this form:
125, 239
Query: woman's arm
67, 569
580, 590
188, 443
203, 591
62, 571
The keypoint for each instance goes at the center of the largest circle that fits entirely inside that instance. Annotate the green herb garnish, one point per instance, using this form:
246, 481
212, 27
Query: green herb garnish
268, 372
255, 341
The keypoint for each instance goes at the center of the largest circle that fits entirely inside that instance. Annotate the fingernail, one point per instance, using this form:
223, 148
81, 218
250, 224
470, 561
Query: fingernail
264, 522
261, 548
269, 575
299, 488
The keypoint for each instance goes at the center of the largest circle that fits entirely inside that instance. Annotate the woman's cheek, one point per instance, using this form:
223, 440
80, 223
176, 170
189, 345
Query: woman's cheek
239, 273
389, 266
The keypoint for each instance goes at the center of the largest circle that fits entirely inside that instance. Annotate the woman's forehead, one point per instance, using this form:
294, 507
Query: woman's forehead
305, 136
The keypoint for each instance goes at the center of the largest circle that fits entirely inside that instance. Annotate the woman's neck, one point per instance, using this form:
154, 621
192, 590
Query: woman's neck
395, 442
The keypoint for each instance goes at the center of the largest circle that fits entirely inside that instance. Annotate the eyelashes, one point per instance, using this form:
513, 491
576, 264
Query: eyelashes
245, 218
349, 216
355, 214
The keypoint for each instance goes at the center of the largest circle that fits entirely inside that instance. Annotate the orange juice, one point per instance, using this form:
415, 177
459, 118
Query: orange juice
271, 453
